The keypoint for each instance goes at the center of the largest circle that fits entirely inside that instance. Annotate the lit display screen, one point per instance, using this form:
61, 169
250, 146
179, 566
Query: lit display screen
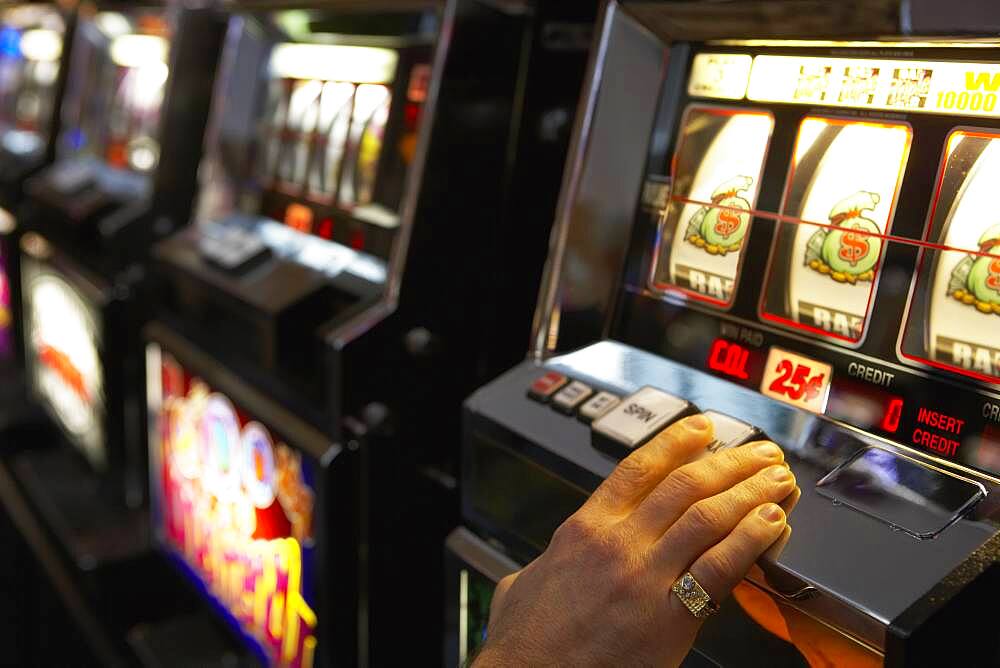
63, 343
954, 88
715, 182
6, 316
31, 41
325, 120
954, 315
844, 175
116, 90
237, 506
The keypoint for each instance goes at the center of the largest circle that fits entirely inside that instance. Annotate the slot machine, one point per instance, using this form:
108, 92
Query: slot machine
357, 167
32, 77
782, 221
138, 90
74, 484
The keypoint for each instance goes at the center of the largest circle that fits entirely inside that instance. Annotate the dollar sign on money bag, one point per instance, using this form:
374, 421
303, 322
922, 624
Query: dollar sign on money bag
984, 277
726, 226
849, 250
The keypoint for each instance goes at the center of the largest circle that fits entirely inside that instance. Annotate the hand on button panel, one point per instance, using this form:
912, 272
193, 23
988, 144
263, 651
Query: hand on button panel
601, 592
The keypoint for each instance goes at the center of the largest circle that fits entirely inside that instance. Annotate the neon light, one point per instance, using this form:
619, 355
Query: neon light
236, 507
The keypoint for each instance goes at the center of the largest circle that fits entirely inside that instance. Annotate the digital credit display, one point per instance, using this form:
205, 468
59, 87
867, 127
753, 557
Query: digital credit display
237, 506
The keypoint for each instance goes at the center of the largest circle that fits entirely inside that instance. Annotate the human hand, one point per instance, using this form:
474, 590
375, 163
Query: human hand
600, 593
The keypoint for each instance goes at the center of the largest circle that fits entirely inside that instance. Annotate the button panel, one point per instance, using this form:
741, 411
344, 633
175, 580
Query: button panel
598, 405
637, 419
545, 386
568, 398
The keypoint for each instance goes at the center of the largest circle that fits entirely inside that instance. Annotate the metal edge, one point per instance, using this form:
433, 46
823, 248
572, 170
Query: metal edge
389, 300
572, 174
474, 551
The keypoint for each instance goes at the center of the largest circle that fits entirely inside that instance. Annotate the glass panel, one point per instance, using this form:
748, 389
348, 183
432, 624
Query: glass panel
844, 180
716, 175
954, 314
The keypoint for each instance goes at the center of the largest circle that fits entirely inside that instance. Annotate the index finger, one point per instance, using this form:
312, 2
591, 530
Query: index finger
639, 473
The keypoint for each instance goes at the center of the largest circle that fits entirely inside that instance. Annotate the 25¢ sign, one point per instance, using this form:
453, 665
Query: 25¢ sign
796, 380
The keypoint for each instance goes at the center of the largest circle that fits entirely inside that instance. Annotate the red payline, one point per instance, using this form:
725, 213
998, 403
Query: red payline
781, 218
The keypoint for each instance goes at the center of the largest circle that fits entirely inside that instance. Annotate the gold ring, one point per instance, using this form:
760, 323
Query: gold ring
694, 597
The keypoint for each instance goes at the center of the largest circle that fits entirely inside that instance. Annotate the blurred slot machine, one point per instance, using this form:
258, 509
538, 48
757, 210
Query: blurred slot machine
131, 126
797, 239
34, 41
337, 276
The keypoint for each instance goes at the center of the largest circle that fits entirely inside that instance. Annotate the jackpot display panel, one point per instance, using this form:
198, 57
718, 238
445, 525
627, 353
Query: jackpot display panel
238, 491
799, 242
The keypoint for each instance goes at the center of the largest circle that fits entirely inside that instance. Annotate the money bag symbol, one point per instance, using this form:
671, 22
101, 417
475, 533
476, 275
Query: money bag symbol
853, 248
983, 281
721, 228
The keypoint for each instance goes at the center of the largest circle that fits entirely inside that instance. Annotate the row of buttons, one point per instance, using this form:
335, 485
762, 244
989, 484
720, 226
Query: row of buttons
570, 397
621, 425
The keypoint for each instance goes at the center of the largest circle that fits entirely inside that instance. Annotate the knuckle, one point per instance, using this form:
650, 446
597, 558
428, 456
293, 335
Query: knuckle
687, 483
635, 468
721, 566
573, 531
704, 516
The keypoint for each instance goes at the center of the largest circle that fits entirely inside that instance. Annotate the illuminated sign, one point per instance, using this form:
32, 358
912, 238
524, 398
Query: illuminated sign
960, 88
796, 380
720, 75
65, 371
729, 358
237, 506
334, 62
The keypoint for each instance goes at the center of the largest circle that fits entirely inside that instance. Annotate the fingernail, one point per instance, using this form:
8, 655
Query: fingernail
767, 451
779, 474
698, 422
772, 513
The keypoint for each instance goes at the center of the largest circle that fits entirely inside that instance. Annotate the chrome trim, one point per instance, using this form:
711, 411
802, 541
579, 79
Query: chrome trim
477, 553
387, 304
572, 173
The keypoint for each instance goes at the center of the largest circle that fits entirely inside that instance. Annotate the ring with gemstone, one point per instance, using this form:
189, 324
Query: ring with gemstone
694, 597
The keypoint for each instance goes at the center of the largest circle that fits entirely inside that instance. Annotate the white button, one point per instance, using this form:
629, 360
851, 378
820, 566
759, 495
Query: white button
729, 431
571, 396
640, 415
598, 405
